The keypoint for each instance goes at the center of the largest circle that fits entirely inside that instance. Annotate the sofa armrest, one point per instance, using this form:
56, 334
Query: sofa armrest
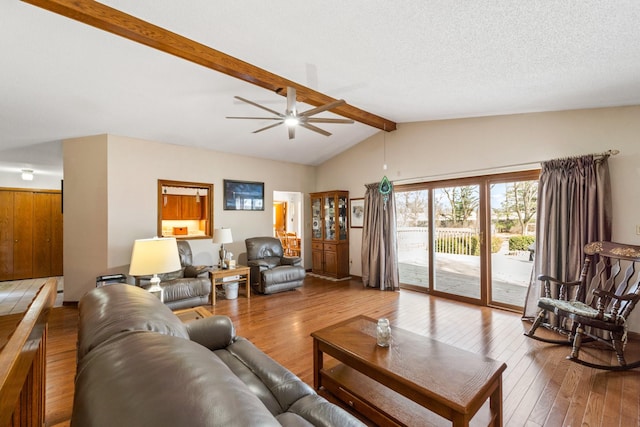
258, 263
291, 260
213, 332
192, 271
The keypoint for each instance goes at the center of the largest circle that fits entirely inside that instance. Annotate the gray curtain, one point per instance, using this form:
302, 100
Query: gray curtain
574, 208
379, 243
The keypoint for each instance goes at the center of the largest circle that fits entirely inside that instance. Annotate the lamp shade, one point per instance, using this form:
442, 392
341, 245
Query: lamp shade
154, 256
222, 235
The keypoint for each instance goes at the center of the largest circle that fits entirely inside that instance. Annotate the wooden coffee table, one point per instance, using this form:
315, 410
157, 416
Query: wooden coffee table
191, 314
392, 386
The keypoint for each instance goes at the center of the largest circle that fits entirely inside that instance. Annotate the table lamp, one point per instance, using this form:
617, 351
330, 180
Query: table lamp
154, 256
222, 236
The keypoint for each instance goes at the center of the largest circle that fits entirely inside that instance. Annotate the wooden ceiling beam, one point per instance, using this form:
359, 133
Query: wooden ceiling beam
117, 22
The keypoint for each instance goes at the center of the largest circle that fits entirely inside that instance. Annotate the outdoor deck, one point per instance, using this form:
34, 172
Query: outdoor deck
459, 274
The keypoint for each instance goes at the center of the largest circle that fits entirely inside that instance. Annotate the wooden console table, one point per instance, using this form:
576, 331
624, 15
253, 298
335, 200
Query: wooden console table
394, 385
217, 275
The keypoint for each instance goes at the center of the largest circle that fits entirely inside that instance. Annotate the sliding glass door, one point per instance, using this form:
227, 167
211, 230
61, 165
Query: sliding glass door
412, 221
513, 213
470, 239
457, 246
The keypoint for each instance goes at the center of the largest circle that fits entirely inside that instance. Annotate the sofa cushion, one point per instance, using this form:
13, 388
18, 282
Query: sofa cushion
185, 288
251, 380
289, 419
285, 387
318, 411
109, 310
283, 274
147, 379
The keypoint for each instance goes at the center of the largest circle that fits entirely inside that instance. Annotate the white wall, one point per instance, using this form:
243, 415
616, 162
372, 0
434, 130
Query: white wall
132, 168
467, 147
13, 179
85, 214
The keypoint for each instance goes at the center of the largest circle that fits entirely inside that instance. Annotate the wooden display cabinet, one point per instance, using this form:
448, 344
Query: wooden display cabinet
330, 233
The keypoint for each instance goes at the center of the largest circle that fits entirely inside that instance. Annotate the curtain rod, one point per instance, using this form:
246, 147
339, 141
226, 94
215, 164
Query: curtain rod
508, 168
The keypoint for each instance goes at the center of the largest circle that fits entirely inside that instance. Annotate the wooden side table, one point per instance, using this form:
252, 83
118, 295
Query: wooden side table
217, 275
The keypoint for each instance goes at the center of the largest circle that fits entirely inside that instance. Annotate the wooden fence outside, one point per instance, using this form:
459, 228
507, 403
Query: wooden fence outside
448, 240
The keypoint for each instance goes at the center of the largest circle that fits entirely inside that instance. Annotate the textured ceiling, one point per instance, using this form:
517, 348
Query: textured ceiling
403, 60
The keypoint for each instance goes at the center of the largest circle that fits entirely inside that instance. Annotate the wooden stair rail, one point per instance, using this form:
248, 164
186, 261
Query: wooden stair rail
23, 343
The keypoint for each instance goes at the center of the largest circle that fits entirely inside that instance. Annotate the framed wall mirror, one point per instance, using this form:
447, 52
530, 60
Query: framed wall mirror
185, 209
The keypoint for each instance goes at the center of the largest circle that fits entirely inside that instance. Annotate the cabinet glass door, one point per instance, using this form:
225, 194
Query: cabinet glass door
342, 217
316, 218
329, 218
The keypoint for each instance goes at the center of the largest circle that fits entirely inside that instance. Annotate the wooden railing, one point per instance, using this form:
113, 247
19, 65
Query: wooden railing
23, 344
448, 240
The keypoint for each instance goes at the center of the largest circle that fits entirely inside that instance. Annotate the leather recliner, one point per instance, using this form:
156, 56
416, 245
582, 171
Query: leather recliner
188, 287
271, 270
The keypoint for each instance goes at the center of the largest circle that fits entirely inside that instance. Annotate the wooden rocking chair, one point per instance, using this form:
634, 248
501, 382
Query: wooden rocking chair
616, 290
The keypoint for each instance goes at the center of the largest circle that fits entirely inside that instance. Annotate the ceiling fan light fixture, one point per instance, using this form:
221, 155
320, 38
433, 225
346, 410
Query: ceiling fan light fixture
291, 121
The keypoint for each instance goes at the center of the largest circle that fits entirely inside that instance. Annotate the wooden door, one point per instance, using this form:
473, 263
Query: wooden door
56, 235
279, 222
317, 258
41, 235
190, 207
330, 260
47, 235
6, 235
23, 235
171, 206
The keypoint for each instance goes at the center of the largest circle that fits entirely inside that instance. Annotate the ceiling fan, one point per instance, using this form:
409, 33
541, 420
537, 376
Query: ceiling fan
293, 118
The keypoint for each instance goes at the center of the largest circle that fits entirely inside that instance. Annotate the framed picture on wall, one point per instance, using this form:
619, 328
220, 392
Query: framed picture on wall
356, 213
243, 195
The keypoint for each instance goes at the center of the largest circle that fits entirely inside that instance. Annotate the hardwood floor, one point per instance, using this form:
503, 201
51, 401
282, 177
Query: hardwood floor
540, 387
16, 295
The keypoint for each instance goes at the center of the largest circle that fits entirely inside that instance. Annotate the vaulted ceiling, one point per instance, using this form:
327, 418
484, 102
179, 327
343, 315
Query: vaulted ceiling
403, 61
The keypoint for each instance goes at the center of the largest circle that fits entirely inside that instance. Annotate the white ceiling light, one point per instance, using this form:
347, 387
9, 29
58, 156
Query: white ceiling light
27, 174
291, 121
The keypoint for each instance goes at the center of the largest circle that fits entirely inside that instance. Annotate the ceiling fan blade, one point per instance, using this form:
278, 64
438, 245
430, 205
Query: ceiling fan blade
315, 129
327, 120
292, 132
322, 108
259, 106
291, 100
268, 127
256, 118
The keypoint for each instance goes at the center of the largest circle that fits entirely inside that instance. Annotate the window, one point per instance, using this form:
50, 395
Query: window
185, 209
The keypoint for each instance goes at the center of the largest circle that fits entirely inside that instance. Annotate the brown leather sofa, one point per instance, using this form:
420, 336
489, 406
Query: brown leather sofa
139, 365
188, 287
271, 270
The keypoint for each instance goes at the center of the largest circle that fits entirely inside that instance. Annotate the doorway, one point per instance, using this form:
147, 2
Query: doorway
469, 239
288, 218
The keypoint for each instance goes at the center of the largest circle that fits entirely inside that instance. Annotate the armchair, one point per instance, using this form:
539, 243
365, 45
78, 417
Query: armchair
271, 270
188, 287
600, 308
